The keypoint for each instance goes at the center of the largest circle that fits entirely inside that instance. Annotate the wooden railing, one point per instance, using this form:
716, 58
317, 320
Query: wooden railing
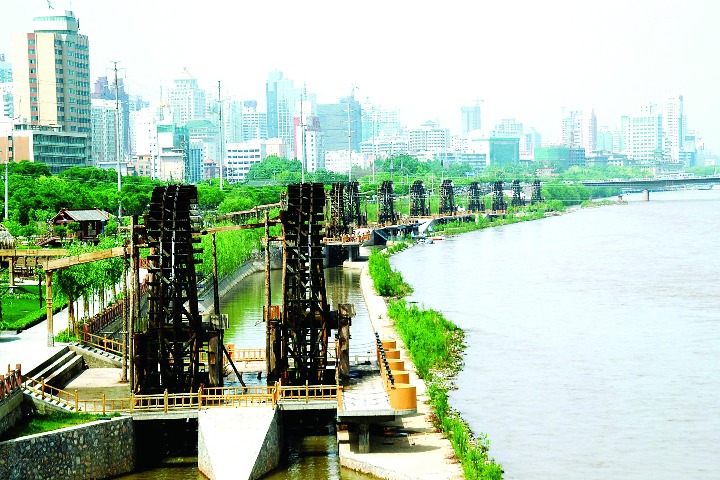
237, 396
246, 354
102, 319
208, 397
306, 393
10, 382
48, 392
103, 343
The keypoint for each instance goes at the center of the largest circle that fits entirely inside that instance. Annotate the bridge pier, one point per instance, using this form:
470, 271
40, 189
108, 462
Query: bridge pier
364, 438
646, 195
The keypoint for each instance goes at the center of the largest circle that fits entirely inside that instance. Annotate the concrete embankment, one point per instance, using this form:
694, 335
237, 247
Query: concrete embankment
408, 448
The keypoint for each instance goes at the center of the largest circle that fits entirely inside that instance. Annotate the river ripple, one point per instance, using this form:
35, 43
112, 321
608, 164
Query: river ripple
593, 337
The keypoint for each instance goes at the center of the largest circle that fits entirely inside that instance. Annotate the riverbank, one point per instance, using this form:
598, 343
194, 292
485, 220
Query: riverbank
409, 448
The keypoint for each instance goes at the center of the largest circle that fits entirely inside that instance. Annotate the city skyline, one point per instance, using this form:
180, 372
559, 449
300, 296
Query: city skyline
527, 61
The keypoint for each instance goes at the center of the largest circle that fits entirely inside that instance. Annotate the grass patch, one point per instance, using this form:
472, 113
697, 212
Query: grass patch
435, 345
48, 422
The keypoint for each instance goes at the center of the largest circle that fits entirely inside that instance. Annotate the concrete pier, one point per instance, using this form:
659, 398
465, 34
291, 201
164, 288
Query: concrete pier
231, 444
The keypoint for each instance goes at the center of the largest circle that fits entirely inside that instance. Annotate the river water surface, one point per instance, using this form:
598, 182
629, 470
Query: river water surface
593, 338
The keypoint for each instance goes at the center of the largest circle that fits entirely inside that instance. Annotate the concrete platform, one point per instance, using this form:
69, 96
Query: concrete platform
91, 383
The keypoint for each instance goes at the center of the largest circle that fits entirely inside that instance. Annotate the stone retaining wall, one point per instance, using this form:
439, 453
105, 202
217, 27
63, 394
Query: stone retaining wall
10, 411
100, 449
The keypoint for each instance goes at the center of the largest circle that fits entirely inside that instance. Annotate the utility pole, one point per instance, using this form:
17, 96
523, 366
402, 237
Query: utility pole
373, 144
352, 94
7, 163
117, 139
302, 138
222, 147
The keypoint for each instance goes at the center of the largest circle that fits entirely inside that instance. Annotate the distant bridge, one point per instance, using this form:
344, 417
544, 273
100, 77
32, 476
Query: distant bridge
652, 183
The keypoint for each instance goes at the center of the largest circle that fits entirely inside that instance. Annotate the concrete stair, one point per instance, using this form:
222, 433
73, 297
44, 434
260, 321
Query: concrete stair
59, 369
97, 352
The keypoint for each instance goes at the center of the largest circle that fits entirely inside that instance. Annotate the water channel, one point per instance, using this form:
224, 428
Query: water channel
311, 454
593, 337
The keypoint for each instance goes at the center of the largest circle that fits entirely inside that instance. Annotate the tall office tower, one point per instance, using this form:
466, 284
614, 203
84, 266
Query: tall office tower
579, 130
642, 134
104, 128
605, 140
185, 99
282, 107
231, 117
104, 89
341, 124
51, 75
254, 123
674, 126
470, 118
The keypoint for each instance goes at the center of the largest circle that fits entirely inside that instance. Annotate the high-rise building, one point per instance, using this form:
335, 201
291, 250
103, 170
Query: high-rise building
185, 99
673, 126
282, 107
341, 124
106, 145
6, 89
5, 70
309, 143
143, 133
51, 74
470, 118
104, 89
642, 134
254, 123
579, 130
605, 140
378, 121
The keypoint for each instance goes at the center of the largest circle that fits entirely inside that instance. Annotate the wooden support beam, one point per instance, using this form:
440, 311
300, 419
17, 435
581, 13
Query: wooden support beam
58, 263
228, 228
49, 308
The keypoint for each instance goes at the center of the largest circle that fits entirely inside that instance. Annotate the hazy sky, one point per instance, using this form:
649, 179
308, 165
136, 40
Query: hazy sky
524, 59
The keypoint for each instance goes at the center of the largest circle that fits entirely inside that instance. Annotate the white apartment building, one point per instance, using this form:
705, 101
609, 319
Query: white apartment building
383, 147
642, 134
338, 161
309, 146
143, 133
239, 157
428, 138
